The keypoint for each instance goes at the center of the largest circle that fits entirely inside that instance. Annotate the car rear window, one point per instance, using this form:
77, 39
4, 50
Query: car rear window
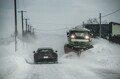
45, 50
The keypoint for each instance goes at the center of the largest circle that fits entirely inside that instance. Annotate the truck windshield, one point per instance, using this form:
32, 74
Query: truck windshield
79, 34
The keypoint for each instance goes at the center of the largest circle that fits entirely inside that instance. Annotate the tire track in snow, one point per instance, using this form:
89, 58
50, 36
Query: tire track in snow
60, 71
78, 72
44, 71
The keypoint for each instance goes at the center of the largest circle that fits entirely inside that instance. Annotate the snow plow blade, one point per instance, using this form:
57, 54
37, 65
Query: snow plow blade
68, 48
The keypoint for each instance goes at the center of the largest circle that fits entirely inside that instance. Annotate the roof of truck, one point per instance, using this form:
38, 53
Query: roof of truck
79, 29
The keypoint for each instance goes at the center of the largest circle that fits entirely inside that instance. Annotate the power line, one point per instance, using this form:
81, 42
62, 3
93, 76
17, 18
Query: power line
57, 24
50, 30
110, 13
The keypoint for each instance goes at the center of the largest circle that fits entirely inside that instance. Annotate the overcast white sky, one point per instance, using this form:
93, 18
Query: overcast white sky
56, 13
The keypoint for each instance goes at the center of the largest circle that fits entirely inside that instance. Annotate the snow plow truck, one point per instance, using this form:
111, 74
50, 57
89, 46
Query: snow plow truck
79, 39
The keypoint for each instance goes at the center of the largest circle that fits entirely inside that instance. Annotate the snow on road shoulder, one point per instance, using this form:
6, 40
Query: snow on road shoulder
11, 66
104, 56
7, 66
11, 62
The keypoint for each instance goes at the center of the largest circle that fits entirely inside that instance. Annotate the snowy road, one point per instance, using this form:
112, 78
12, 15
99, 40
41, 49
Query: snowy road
100, 62
59, 71
72, 68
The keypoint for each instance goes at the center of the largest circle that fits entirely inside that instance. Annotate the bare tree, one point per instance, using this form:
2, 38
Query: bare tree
104, 22
95, 21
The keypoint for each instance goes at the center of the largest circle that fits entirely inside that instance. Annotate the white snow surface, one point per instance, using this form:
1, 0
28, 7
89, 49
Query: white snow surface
100, 62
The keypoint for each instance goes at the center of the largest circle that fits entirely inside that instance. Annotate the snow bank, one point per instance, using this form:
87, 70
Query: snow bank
11, 62
104, 55
8, 66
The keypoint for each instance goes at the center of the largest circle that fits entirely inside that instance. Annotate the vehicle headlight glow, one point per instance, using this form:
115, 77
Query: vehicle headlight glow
87, 37
72, 36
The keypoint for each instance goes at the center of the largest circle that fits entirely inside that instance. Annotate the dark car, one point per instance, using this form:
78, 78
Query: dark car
45, 55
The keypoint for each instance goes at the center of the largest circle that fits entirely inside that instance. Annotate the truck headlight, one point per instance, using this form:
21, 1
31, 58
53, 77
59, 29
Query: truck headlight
87, 37
72, 36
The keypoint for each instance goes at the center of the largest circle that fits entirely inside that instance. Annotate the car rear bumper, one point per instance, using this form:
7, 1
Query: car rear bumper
46, 60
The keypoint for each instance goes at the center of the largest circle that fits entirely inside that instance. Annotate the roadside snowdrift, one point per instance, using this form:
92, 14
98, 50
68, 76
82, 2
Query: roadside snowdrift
103, 59
11, 62
105, 54
103, 49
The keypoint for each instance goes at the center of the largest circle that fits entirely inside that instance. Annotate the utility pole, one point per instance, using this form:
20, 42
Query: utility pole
22, 21
16, 31
26, 20
83, 25
100, 24
33, 30
30, 28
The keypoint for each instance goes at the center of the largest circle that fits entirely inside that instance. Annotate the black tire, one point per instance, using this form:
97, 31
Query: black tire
35, 60
55, 55
55, 61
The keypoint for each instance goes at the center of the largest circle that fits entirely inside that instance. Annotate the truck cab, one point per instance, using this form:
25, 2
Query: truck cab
78, 39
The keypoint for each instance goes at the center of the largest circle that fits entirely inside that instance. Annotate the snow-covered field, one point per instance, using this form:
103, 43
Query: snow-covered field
100, 62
